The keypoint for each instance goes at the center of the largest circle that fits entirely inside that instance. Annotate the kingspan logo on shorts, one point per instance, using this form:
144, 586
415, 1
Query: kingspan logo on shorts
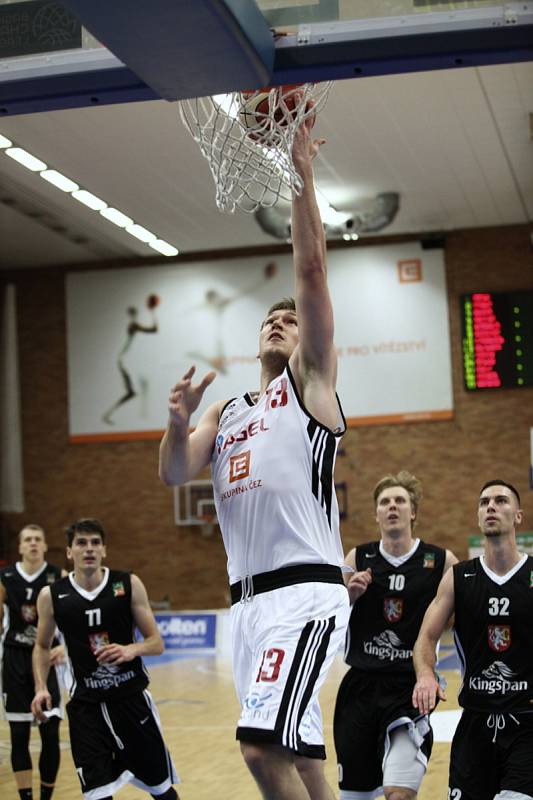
497, 679
387, 647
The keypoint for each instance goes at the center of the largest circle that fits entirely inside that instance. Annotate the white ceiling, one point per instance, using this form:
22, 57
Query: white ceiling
455, 144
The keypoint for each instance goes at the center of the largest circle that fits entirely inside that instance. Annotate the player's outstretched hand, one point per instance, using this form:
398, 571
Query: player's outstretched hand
358, 584
115, 653
305, 148
185, 398
425, 693
41, 702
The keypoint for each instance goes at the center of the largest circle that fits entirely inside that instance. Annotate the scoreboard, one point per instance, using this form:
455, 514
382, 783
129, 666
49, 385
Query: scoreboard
497, 331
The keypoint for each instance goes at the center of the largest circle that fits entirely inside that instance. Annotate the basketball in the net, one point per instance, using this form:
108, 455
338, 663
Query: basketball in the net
152, 301
263, 113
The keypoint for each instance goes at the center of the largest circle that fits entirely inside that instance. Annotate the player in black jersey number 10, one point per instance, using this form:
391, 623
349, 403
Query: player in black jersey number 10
115, 734
381, 741
492, 597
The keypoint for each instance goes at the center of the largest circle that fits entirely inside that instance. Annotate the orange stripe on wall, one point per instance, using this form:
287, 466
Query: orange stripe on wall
398, 419
352, 422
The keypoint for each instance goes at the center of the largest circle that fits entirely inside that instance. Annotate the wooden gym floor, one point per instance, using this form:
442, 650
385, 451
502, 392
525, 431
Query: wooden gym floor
198, 709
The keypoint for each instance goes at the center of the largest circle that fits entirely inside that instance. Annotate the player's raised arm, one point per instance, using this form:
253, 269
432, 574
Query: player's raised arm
315, 315
183, 454
46, 629
424, 654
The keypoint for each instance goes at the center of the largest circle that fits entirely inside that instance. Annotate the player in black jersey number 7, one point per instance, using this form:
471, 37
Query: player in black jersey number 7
492, 597
20, 585
381, 741
115, 734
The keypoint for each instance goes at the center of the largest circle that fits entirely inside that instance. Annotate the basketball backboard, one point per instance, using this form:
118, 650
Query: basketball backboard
51, 56
194, 505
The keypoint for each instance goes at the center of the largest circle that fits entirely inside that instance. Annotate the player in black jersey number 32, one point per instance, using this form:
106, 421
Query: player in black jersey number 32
115, 733
492, 596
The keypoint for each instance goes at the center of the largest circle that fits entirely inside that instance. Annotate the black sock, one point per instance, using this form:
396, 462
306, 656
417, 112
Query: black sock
46, 791
26, 794
170, 794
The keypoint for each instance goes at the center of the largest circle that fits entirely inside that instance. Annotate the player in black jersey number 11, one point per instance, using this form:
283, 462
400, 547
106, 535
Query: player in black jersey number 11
115, 734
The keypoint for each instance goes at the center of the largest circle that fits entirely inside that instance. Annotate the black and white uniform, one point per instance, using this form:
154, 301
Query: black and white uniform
375, 696
18, 689
272, 469
115, 732
492, 750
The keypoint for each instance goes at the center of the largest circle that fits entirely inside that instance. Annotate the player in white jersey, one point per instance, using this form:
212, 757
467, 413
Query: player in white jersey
272, 457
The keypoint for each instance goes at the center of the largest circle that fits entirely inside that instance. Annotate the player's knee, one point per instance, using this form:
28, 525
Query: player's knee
20, 746
254, 756
309, 766
398, 793
261, 759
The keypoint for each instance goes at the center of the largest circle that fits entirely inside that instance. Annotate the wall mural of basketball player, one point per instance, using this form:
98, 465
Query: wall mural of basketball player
218, 304
134, 327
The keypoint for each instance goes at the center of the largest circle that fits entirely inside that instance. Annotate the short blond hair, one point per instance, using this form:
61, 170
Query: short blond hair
31, 527
407, 481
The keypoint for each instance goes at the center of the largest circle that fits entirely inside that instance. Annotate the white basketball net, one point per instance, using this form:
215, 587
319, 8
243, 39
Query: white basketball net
250, 153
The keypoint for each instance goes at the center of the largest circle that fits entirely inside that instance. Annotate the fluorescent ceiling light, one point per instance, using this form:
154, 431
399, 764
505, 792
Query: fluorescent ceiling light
59, 180
116, 217
26, 159
163, 247
141, 233
89, 200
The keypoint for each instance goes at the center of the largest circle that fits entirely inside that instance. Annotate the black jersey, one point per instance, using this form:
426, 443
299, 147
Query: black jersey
385, 620
494, 637
89, 620
21, 599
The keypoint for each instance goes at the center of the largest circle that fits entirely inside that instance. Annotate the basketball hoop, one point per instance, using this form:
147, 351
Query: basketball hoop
247, 138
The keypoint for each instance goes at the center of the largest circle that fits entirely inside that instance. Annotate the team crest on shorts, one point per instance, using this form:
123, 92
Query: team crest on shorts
499, 637
118, 589
531, 579
429, 560
393, 609
28, 613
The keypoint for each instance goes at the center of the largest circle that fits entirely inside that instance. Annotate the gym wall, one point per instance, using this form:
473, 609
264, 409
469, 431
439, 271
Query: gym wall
488, 437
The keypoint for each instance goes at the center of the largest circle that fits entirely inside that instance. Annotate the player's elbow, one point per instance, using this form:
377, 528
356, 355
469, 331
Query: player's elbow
159, 646
167, 475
